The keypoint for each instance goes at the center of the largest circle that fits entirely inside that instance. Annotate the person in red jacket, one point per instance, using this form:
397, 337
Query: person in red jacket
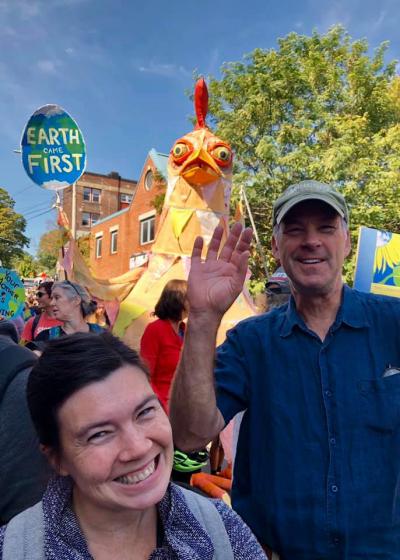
162, 340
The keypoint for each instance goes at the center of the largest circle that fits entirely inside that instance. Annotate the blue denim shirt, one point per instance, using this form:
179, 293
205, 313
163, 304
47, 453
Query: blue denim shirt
317, 471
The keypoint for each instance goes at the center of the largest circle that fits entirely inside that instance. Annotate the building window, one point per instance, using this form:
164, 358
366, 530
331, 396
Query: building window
96, 195
147, 230
114, 241
91, 195
89, 219
125, 198
99, 245
148, 180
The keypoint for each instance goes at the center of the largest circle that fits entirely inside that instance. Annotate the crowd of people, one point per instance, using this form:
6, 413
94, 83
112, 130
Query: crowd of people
91, 429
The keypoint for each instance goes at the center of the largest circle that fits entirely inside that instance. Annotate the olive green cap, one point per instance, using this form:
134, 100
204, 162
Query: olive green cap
308, 190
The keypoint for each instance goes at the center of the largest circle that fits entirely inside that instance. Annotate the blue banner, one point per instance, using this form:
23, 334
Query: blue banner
378, 262
12, 294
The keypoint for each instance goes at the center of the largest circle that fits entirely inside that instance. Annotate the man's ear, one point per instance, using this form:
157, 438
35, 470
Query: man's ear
275, 250
348, 243
54, 459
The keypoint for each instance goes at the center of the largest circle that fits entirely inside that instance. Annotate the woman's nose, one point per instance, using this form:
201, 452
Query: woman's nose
134, 444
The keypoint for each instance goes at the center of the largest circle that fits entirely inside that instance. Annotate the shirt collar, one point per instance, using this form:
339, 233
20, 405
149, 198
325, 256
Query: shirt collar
351, 312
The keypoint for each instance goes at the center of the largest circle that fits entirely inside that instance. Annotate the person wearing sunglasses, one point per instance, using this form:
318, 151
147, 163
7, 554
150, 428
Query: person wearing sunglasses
71, 305
45, 319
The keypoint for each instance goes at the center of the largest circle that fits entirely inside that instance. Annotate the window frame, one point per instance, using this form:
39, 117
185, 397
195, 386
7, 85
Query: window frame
93, 197
99, 246
123, 199
88, 221
113, 236
148, 223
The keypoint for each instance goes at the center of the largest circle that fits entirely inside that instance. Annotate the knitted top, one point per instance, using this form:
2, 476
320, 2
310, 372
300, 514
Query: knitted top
183, 536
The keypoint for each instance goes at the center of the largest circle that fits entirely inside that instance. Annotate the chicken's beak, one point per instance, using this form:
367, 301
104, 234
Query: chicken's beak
200, 168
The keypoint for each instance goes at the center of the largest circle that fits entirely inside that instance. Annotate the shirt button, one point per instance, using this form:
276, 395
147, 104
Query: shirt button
336, 541
328, 393
334, 488
332, 441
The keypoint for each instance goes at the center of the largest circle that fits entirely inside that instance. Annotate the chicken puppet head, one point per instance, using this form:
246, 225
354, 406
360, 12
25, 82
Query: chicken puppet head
199, 185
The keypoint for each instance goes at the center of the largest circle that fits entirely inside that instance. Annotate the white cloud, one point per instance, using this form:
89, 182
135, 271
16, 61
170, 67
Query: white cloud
47, 66
166, 70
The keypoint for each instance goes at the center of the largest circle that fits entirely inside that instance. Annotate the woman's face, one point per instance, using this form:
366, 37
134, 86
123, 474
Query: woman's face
116, 442
63, 305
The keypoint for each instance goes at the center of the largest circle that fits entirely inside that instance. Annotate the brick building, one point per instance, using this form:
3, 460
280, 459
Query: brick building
97, 196
121, 241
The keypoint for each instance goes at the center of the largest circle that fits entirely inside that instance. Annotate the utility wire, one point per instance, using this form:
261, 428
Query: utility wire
31, 207
31, 212
41, 214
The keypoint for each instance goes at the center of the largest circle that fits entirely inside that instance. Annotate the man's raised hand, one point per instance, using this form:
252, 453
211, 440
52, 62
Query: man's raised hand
214, 284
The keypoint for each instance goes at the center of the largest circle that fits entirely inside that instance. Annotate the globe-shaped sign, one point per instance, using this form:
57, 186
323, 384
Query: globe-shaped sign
53, 149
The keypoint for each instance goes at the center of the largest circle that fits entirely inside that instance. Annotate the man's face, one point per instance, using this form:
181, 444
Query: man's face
311, 244
43, 298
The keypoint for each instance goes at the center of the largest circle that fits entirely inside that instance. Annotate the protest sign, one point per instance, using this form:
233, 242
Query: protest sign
53, 149
378, 262
12, 294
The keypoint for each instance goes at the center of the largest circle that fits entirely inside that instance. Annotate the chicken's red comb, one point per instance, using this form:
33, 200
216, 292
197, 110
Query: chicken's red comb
201, 102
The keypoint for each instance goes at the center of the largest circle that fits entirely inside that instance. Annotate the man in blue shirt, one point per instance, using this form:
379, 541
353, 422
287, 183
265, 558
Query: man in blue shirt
317, 471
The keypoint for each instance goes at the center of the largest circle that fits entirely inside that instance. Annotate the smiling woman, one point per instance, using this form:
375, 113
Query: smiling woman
109, 441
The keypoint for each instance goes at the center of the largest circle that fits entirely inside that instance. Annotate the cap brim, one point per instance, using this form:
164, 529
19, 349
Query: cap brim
302, 198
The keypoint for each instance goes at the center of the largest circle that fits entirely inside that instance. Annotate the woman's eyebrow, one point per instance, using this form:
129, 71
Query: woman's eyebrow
101, 423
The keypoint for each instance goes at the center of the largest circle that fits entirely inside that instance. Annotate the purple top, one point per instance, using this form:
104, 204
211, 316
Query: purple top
183, 539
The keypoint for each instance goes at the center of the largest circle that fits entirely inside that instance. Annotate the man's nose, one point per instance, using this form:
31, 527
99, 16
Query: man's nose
311, 238
134, 444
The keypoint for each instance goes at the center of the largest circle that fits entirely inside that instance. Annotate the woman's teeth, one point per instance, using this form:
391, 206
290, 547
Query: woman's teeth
137, 477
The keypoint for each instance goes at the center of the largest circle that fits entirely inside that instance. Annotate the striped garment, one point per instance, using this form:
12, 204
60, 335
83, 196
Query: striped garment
183, 536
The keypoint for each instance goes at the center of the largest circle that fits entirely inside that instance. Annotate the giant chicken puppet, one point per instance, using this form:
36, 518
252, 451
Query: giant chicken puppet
196, 201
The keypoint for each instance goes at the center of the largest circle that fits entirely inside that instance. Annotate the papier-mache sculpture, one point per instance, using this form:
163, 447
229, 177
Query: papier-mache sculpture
196, 201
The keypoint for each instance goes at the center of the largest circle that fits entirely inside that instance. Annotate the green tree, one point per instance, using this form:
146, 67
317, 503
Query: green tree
12, 229
317, 107
25, 265
49, 247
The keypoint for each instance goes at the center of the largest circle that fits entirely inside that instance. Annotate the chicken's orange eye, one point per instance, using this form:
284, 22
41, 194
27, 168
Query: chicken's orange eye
180, 150
222, 155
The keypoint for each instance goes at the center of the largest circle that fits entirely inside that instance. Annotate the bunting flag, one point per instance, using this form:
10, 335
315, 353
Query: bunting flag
179, 219
128, 311
208, 223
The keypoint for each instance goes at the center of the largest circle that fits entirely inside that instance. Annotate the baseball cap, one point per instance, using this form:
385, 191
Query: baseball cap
308, 190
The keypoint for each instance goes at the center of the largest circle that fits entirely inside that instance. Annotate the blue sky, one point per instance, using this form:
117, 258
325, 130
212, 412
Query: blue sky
121, 69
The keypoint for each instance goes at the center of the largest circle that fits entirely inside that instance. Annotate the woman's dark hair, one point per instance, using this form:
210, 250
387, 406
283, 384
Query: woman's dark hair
68, 364
172, 302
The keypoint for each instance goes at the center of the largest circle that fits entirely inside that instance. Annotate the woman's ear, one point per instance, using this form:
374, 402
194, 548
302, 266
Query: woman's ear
54, 459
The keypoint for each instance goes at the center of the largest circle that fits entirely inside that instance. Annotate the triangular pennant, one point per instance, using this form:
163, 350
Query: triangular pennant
208, 222
179, 219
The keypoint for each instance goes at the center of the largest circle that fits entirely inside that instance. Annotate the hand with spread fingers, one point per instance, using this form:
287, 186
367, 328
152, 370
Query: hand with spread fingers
214, 284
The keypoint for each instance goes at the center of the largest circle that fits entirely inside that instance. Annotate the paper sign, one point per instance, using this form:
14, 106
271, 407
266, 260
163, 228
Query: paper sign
378, 262
53, 149
12, 294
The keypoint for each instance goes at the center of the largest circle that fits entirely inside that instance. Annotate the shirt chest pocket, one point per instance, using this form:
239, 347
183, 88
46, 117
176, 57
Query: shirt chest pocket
380, 403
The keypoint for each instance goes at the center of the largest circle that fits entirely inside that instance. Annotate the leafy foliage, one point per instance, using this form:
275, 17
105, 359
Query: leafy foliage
49, 247
320, 108
12, 229
25, 265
